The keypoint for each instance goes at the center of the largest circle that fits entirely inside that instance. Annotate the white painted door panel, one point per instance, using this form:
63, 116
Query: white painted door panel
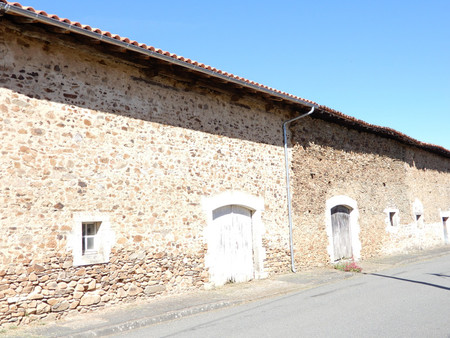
242, 250
234, 250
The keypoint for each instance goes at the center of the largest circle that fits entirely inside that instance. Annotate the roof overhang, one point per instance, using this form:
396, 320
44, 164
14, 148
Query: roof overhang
135, 47
322, 112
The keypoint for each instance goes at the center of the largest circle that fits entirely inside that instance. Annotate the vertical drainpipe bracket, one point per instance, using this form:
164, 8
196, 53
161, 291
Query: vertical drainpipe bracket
288, 190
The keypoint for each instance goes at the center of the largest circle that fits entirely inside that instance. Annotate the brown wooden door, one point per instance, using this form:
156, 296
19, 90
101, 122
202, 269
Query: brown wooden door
340, 222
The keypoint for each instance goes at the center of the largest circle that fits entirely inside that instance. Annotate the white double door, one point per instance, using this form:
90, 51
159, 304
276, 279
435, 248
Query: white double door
234, 244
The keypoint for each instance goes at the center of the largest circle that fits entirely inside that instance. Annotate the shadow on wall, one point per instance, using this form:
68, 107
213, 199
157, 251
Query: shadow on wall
314, 131
99, 79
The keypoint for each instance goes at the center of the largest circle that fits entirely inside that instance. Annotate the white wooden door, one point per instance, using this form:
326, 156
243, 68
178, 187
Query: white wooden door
340, 222
233, 226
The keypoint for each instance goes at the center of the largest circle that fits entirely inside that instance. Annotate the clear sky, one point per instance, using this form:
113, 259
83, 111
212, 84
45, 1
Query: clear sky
386, 62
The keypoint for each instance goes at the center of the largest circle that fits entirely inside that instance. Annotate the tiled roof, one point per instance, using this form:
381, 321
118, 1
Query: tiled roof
331, 114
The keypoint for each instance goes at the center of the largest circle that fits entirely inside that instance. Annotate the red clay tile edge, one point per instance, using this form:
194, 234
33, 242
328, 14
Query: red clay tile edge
384, 131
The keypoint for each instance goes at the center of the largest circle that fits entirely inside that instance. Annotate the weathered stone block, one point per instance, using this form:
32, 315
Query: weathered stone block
90, 299
53, 301
60, 306
77, 295
62, 285
35, 296
133, 290
152, 289
121, 293
79, 287
32, 277
42, 308
105, 298
30, 311
44, 278
91, 285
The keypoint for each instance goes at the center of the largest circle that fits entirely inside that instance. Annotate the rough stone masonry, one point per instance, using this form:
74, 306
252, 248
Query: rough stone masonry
89, 136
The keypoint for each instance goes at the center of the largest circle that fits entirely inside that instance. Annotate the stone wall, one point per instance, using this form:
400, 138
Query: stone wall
379, 174
33, 291
85, 132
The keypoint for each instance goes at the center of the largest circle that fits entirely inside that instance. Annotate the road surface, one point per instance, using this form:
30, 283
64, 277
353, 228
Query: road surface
409, 301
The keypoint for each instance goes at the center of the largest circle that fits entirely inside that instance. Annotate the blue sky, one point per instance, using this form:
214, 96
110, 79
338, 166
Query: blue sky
385, 62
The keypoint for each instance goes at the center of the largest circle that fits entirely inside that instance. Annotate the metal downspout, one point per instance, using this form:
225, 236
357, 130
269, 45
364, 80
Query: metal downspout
288, 190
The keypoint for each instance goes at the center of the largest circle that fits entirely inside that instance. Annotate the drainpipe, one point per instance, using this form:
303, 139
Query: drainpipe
288, 190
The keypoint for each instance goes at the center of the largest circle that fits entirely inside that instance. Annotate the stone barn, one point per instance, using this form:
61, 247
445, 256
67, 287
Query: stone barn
130, 172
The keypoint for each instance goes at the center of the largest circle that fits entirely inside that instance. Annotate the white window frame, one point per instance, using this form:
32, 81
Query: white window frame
104, 239
419, 218
418, 213
86, 237
445, 219
393, 222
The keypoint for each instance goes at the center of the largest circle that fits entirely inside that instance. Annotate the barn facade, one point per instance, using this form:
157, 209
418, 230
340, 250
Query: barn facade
129, 172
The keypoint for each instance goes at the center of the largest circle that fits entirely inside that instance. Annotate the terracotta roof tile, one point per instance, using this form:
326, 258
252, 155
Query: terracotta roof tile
382, 130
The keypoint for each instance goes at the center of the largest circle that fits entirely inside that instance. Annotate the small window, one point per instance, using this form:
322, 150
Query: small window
392, 218
88, 237
91, 238
418, 212
419, 220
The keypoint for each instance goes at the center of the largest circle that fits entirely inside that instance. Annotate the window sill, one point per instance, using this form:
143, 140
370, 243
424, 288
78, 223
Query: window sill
91, 258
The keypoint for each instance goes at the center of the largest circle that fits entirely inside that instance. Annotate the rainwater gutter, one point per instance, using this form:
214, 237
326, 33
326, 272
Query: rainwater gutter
288, 190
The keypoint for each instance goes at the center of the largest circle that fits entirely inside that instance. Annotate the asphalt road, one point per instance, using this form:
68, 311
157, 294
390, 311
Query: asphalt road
410, 301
